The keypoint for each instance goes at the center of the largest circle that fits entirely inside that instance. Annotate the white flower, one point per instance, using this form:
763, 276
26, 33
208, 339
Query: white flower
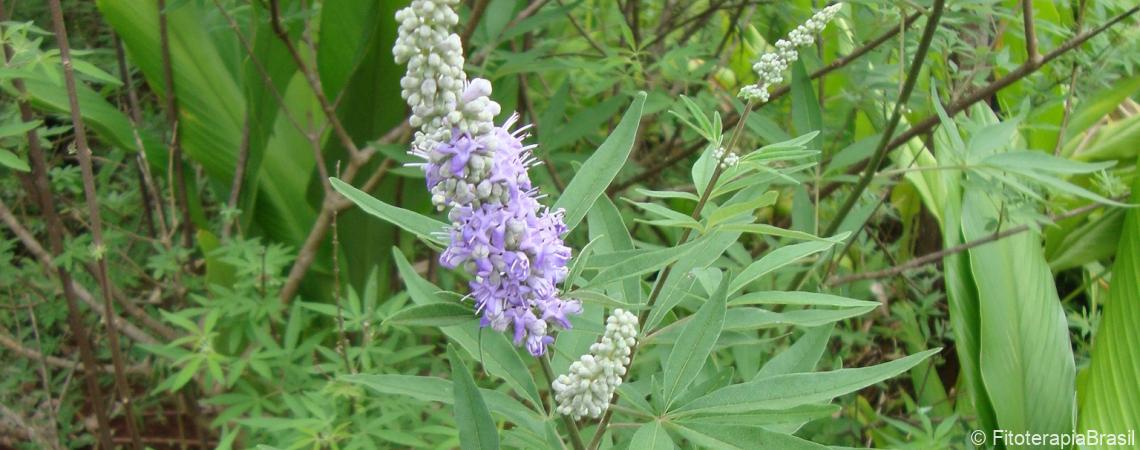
770, 66
435, 85
591, 381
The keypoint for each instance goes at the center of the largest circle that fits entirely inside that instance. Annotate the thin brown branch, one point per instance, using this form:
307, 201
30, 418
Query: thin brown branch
1030, 31
14, 346
171, 109
314, 81
473, 22
731, 120
239, 178
582, 31
935, 257
986, 92
89, 192
55, 235
70, 287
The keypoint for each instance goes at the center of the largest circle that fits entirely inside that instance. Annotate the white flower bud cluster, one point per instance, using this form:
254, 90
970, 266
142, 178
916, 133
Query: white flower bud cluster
435, 85
587, 388
726, 160
771, 66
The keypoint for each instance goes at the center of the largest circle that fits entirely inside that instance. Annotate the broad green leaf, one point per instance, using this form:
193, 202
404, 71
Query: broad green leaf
1025, 357
432, 315
801, 356
652, 436
11, 161
778, 258
743, 437
425, 227
434, 389
600, 169
694, 345
1110, 395
476, 429
791, 390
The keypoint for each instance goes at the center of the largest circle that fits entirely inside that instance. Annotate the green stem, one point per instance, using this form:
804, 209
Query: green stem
667, 270
571, 426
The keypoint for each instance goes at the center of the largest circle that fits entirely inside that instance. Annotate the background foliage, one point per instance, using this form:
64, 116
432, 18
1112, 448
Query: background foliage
260, 303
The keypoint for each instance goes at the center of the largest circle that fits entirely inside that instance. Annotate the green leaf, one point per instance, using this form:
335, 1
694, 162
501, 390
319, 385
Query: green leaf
420, 225
694, 345
743, 437
778, 258
787, 391
432, 315
498, 356
19, 128
731, 210
801, 356
476, 429
754, 318
605, 219
631, 263
1025, 357
434, 389
652, 436
806, 116
770, 230
1110, 395
668, 194
11, 161
799, 298
600, 169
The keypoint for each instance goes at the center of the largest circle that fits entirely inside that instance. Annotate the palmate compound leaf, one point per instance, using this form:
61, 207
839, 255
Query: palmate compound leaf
600, 169
476, 428
791, 390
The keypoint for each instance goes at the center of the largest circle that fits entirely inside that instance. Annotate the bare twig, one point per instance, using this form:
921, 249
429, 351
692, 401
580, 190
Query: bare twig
988, 91
84, 153
55, 236
171, 109
883, 147
731, 121
473, 22
935, 257
314, 81
1030, 32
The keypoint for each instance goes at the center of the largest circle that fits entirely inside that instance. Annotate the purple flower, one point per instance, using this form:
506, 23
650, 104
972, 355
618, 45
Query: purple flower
477, 169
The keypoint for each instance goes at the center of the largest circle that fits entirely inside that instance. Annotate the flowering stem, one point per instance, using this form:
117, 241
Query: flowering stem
571, 425
664, 275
